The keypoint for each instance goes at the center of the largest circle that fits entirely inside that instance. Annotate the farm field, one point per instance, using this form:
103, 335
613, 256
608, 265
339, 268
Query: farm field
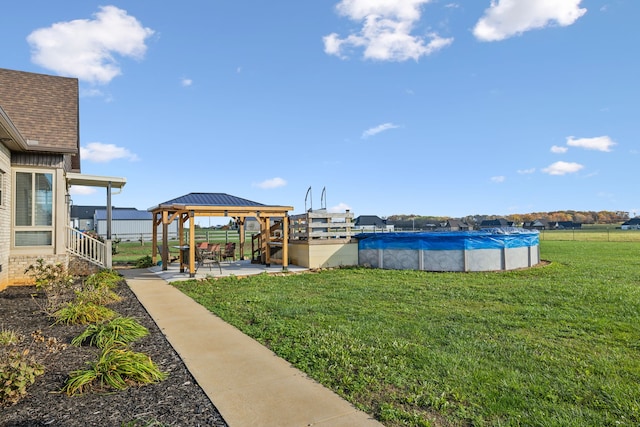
555, 345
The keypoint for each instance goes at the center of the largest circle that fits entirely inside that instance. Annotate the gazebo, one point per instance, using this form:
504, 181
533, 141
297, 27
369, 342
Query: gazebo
192, 205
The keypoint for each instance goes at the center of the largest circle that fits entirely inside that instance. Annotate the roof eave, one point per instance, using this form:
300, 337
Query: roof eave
17, 141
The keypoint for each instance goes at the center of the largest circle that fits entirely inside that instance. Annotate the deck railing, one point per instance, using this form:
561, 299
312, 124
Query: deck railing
89, 248
321, 225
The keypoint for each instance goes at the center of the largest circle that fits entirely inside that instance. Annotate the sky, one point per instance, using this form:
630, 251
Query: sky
383, 107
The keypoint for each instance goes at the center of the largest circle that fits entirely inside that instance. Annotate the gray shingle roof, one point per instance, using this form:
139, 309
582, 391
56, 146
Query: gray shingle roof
43, 108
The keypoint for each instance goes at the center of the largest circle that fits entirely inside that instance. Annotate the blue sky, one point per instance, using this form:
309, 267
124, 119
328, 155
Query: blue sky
421, 107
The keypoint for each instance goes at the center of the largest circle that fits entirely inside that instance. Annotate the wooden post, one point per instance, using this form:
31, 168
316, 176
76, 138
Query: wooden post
285, 243
241, 236
267, 240
154, 238
165, 241
192, 244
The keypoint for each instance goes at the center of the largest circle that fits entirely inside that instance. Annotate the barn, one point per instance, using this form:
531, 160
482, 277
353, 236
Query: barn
128, 224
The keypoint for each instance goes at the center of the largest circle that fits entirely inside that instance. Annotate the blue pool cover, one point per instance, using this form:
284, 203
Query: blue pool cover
496, 238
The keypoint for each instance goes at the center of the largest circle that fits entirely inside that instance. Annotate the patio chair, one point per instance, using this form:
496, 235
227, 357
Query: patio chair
229, 251
206, 258
214, 250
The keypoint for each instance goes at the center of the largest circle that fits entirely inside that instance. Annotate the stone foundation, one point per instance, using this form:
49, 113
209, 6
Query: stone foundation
81, 267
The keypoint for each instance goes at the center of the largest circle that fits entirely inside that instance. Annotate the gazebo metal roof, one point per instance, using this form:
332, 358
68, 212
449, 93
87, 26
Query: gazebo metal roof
210, 199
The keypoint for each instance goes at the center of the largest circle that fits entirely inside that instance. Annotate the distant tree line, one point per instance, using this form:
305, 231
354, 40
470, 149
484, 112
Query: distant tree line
582, 217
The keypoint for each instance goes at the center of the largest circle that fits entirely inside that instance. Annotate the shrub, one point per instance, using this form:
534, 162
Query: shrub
21, 363
99, 296
99, 287
119, 330
18, 370
54, 281
144, 262
117, 368
79, 313
104, 278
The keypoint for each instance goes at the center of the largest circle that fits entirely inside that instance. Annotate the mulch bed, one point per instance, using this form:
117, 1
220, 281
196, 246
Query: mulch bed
176, 401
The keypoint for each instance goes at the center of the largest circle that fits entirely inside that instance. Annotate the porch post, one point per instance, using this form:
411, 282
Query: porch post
108, 256
109, 210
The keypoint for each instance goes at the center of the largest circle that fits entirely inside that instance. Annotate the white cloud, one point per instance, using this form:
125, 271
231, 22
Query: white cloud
271, 183
90, 92
186, 82
526, 171
376, 130
562, 168
386, 31
498, 179
600, 143
340, 207
85, 48
507, 18
559, 150
81, 190
102, 153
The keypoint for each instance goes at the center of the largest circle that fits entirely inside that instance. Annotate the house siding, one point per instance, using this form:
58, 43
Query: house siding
38, 160
5, 216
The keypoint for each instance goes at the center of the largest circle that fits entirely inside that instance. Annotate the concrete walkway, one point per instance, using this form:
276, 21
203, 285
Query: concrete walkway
247, 382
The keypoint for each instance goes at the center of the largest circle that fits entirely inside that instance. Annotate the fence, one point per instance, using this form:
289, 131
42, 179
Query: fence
592, 235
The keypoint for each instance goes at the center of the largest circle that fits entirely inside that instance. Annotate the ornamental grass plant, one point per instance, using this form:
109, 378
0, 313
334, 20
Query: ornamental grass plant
122, 330
117, 368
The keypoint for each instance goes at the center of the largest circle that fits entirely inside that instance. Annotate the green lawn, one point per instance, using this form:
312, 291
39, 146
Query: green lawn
557, 345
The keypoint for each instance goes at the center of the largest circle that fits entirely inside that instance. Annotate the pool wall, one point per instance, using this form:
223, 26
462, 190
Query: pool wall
491, 250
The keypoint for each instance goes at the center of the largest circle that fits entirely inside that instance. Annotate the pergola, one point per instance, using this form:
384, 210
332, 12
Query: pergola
190, 206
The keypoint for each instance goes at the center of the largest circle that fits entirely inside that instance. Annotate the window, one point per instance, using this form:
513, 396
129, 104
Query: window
33, 217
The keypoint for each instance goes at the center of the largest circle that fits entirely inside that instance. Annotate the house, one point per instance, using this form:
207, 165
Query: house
39, 161
568, 225
372, 223
538, 224
495, 223
632, 224
82, 217
456, 225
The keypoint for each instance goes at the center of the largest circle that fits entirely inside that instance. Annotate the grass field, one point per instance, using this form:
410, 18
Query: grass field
557, 345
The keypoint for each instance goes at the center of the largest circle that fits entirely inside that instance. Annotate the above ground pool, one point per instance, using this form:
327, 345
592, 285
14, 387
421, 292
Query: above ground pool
484, 250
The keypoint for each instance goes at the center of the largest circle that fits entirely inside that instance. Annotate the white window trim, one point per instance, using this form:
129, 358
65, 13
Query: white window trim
15, 228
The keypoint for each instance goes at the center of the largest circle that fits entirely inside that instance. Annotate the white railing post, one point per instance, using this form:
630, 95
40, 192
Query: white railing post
89, 248
108, 262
